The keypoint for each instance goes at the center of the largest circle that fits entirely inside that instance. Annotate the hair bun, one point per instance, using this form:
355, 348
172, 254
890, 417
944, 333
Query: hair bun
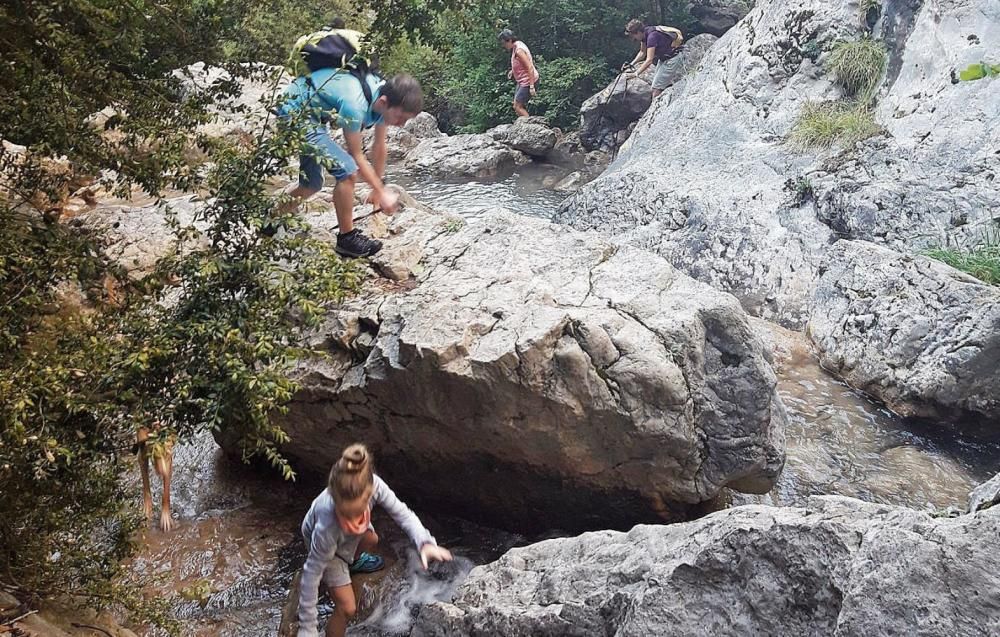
352, 475
354, 458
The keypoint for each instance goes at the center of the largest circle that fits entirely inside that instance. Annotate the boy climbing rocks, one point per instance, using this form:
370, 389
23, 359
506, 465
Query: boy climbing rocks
336, 95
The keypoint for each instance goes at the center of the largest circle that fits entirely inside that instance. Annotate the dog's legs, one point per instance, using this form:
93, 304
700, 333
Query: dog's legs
141, 436
163, 462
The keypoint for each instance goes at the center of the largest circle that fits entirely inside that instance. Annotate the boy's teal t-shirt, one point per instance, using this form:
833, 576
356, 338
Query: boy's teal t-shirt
337, 93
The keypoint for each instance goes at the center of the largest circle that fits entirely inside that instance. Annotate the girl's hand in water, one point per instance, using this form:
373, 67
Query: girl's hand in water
433, 553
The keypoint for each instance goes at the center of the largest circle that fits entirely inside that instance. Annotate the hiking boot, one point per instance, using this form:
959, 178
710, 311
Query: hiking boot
354, 244
367, 563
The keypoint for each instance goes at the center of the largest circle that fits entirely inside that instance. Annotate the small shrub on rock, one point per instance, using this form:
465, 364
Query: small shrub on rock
825, 124
858, 66
981, 261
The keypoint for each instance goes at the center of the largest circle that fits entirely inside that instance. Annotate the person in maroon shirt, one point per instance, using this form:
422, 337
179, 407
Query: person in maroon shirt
657, 45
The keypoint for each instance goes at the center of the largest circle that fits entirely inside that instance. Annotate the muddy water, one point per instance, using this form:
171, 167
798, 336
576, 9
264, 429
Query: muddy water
237, 527
840, 442
236, 547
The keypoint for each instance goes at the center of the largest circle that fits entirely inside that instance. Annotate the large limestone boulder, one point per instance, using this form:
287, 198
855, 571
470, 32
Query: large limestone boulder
530, 135
914, 332
465, 156
835, 567
709, 181
537, 377
718, 16
606, 117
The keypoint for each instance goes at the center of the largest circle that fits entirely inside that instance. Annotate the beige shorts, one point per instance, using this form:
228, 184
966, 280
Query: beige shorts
338, 572
661, 79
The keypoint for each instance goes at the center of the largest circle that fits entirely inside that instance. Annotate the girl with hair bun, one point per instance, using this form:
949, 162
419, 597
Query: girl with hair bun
338, 534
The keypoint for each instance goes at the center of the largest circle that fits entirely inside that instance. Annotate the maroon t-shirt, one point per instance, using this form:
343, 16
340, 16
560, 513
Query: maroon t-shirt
660, 40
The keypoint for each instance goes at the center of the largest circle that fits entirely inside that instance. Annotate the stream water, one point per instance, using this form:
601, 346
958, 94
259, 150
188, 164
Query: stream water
237, 527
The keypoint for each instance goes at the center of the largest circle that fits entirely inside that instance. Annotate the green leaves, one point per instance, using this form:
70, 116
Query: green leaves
979, 71
211, 349
577, 45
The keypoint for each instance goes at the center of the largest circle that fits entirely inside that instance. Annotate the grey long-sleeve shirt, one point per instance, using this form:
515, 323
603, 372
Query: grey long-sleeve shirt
323, 536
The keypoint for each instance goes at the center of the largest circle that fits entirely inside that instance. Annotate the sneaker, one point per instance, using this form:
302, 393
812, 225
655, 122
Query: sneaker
367, 563
354, 244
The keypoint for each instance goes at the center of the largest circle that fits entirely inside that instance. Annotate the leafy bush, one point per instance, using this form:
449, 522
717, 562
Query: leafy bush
431, 68
577, 45
566, 80
825, 124
211, 352
858, 66
215, 353
981, 261
65, 519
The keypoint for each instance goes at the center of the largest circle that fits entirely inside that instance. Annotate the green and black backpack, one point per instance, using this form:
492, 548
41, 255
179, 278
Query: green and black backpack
332, 49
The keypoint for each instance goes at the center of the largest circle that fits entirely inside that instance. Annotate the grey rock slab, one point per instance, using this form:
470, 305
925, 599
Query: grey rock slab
530, 135
136, 237
985, 495
597, 384
465, 156
917, 334
836, 566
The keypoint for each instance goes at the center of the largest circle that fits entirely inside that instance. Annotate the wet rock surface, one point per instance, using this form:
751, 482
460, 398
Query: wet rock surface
914, 332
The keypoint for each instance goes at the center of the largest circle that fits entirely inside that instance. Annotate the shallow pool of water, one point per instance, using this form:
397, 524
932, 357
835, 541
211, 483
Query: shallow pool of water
840, 442
528, 191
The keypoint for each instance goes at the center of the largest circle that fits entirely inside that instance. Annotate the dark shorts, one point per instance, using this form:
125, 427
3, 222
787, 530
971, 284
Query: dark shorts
522, 95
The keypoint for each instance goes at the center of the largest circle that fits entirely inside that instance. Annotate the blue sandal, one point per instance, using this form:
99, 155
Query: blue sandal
367, 563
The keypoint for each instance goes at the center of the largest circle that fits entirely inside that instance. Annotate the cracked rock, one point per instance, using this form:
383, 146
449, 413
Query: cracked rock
537, 377
836, 566
911, 331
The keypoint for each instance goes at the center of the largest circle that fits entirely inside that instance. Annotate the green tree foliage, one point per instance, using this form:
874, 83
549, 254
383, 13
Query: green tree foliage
578, 45
210, 350
265, 30
65, 61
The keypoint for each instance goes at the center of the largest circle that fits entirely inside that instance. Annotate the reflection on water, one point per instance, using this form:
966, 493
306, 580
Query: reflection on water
527, 192
840, 442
